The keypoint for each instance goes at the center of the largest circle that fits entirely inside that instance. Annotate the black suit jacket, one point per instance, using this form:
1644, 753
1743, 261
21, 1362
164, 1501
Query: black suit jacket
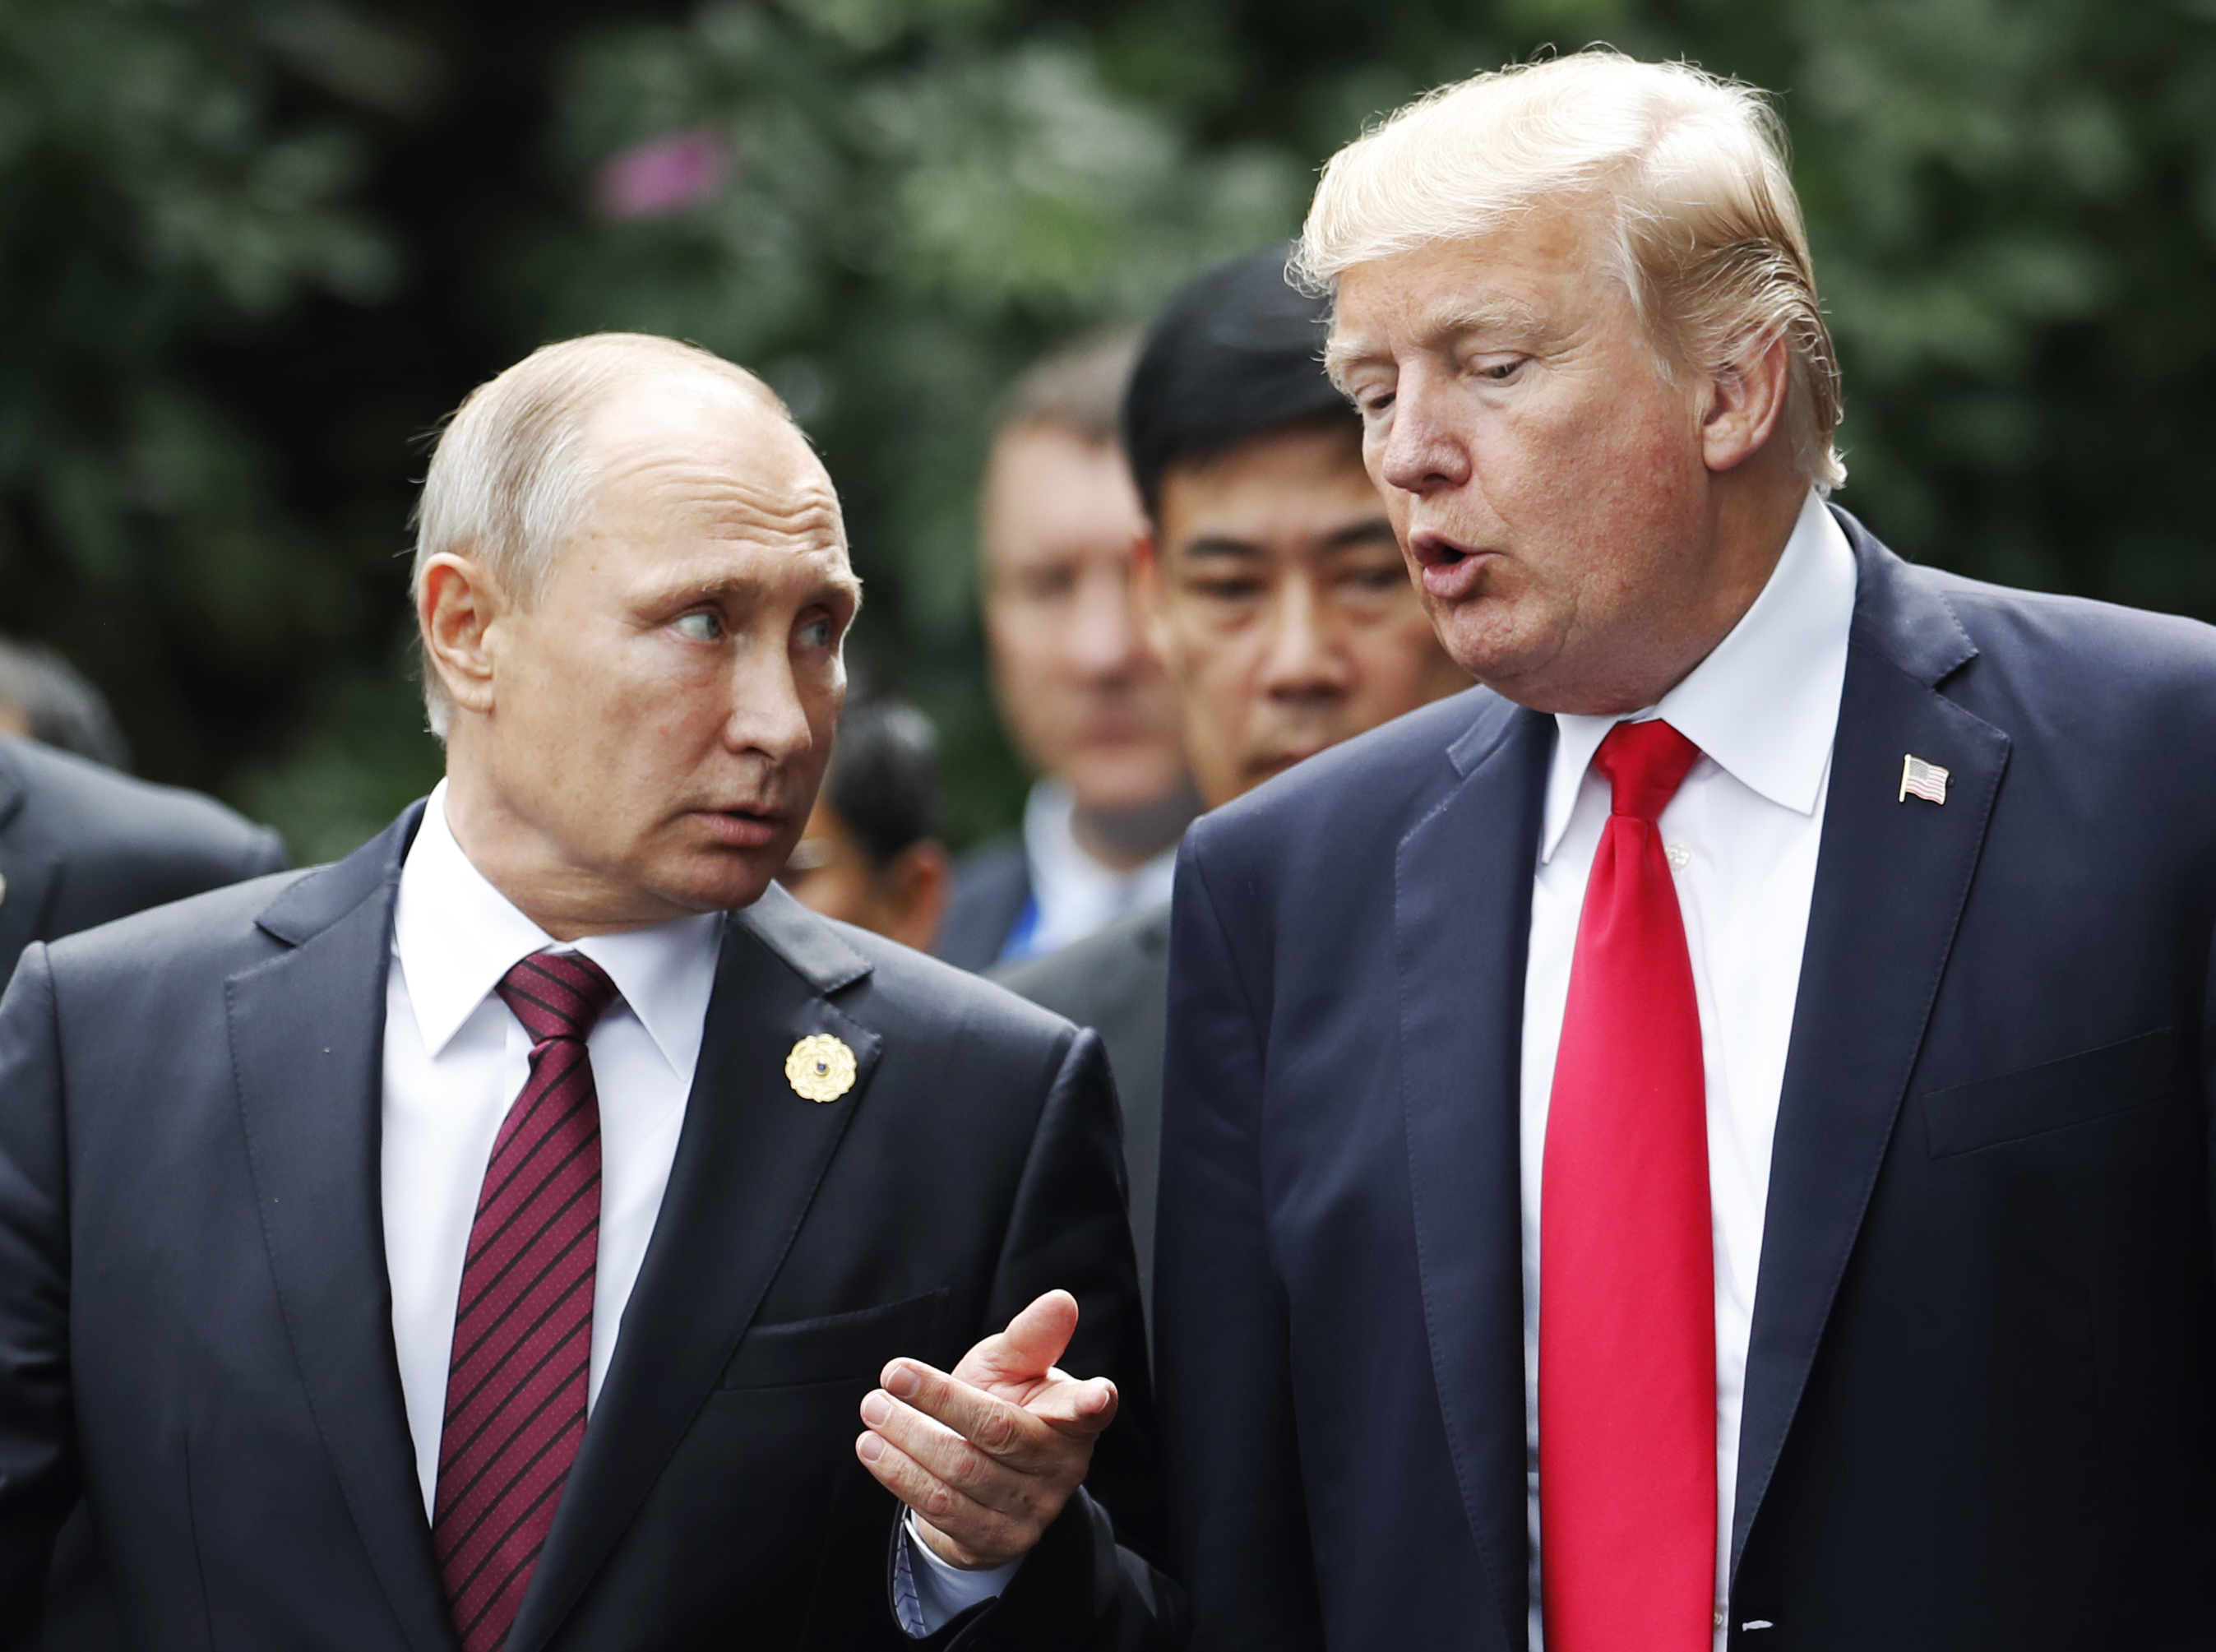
195, 1324
1116, 982
1980, 1405
81, 845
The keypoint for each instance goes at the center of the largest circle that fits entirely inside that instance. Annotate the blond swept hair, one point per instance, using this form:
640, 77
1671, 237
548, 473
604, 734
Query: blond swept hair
512, 476
1708, 235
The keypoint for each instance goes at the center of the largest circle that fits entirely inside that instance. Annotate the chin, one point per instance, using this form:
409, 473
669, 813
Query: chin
724, 884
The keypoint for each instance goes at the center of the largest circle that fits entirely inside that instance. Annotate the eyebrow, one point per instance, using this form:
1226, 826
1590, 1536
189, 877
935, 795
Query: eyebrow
1507, 315
1224, 547
845, 585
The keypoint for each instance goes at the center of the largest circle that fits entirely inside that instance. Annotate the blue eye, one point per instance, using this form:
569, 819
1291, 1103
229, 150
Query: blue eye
816, 633
701, 626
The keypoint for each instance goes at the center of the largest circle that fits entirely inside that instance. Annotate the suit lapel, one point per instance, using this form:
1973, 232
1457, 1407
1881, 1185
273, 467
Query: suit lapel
1890, 881
1461, 913
307, 1039
749, 1158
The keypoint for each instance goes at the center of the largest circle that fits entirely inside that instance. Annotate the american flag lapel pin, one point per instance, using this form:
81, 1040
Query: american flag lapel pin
1922, 779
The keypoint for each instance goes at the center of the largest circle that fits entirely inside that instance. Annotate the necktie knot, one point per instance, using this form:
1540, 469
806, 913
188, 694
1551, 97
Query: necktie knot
1645, 763
557, 995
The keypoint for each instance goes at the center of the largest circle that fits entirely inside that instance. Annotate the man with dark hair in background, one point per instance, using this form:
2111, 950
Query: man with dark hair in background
871, 854
1082, 698
1274, 593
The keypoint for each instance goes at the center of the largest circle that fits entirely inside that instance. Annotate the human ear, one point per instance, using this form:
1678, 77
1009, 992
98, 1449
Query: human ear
456, 605
914, 885
1148, 594
1746, 405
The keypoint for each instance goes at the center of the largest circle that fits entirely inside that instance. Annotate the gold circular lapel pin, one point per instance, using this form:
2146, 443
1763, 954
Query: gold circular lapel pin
821, 1068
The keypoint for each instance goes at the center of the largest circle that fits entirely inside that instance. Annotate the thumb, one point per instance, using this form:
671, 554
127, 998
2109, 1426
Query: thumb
1026, 1351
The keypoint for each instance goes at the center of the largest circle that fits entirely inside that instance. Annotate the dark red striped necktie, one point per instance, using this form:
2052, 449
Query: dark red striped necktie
523, 1327
1627, 1269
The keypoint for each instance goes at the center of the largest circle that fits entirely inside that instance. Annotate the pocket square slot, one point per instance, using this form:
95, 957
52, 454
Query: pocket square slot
2052, 1095
839, 1347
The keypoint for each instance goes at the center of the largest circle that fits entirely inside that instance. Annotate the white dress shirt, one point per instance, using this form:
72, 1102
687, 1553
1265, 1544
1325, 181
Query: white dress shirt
1742, 835
1073, 895
456, 1059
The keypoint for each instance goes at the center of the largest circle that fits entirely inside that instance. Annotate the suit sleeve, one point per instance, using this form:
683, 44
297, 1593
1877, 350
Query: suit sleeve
38, 1457
1093, 1584
1238, 1519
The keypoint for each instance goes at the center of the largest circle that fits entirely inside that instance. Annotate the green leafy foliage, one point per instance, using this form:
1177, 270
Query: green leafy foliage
251, 251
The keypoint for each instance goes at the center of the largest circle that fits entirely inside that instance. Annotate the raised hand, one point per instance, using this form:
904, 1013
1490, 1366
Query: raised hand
987, 1455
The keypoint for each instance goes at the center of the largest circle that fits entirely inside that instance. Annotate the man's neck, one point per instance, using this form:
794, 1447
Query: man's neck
1123, 839
511, 856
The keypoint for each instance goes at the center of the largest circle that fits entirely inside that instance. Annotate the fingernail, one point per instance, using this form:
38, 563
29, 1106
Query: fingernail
904, 1381
875, 1408
870, 1447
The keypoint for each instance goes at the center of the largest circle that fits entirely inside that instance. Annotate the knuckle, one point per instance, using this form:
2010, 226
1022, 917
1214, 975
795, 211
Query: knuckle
975, 1472
938, 1503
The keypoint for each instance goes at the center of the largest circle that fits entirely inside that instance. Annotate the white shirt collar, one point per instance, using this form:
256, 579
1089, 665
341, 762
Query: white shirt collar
454, 936
1766, 703
1075, 894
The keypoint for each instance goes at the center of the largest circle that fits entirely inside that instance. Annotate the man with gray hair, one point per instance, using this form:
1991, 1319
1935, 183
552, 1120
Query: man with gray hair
1702, 1140
538, 1229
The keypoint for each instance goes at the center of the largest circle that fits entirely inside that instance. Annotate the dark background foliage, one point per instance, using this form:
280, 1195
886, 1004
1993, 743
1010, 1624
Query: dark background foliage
252, 250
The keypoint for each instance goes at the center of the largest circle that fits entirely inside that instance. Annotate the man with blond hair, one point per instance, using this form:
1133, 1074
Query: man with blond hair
1703, 1140
538, 1230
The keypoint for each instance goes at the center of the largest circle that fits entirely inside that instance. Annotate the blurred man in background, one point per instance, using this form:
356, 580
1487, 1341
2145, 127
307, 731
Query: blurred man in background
44, 698
1082, 697
870, 854
1274, 593
79, 845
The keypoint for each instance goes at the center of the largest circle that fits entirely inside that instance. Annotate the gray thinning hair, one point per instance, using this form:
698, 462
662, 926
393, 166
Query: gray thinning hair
511, 477
1708, 234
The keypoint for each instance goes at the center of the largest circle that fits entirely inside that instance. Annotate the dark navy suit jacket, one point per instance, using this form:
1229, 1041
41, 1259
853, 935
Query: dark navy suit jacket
195, 1324
1980, 1405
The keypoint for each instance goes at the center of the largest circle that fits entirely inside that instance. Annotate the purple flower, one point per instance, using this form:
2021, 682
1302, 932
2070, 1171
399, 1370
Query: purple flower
663, 175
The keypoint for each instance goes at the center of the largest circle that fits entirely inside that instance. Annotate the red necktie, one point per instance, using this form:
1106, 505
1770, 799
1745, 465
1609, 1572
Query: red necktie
1627, 1269
523, 1327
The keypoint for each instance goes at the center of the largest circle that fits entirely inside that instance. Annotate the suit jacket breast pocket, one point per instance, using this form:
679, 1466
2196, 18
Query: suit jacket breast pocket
851, 1348
2053, 1095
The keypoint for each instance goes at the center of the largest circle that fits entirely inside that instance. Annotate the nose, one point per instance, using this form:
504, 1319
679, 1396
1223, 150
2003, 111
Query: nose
1105, 641
1301, 661
770, 709
1420, 451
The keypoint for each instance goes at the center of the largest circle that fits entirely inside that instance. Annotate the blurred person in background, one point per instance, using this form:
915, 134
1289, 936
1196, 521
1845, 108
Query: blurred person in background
1082, 695
325, 1204
44, 698
82, 844
1271, 588
870, 854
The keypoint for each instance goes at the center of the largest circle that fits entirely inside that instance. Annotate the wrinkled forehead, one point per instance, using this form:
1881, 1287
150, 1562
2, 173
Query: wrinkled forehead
711, 460
1541, 274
